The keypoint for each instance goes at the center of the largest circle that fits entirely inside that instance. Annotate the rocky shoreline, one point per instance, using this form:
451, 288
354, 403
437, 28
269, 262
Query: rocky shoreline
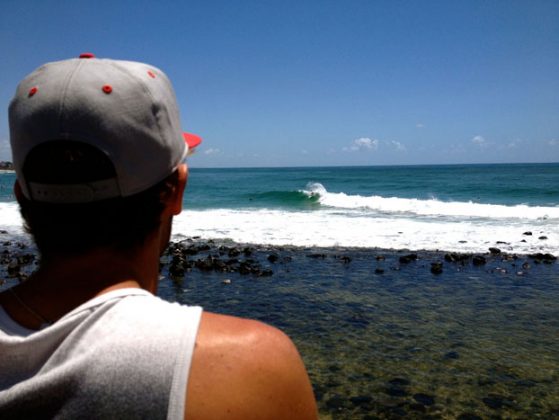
18, 259
246, 259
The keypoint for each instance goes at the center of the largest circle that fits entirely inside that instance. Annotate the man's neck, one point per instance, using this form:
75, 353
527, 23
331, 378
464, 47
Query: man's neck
63, 283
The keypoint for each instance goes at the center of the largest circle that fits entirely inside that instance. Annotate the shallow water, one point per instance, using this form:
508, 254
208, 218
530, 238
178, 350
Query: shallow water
473, 341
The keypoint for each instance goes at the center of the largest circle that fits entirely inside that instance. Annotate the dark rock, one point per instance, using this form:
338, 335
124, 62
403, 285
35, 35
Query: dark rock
527, 233
234, 252
526, 266
479, 260
206, 264
451, 355
396, 392
437, 268
545, 258
526, 383
424, 399
13, 268
358, 320
245, 268
485, 382
265, 273
493, 401
455, 257
404, 259
26, 259
361, 400
502, 243
317, 256
399, 382
494, 251
247, 251
273, 258
380, 257
333, 383
191, 250
543, 238
345, 259
176, 270
336, 403
418, 407
379, 271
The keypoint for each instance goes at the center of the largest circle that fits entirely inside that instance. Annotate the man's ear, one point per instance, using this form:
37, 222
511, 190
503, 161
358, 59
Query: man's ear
178, 191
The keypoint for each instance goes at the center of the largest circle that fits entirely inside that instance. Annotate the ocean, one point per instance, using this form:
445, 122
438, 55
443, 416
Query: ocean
460, 208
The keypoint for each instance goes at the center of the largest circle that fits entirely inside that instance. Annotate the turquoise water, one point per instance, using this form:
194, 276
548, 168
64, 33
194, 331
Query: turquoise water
533, 184
461, 208
509, 184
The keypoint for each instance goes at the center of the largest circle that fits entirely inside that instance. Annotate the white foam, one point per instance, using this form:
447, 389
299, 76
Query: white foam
10, 217
328, 228
352, 228
431, 207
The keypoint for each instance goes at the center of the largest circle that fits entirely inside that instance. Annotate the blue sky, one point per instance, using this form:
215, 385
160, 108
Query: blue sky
309, 82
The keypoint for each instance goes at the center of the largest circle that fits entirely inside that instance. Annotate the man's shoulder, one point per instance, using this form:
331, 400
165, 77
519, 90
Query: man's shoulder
246, 369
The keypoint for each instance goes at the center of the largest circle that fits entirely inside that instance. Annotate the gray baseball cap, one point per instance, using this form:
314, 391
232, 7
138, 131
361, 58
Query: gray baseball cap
126, 109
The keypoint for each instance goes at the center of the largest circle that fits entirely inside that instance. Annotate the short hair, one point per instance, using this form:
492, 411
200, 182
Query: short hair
70, 229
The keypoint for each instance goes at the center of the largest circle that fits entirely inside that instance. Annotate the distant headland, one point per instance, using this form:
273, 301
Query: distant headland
6, 166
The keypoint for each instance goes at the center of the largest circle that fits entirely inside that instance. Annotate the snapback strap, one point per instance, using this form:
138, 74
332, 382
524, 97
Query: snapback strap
74, 193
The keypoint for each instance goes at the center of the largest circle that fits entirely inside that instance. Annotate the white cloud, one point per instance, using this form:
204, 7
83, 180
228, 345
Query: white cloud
398, 146
553, 142
211, 151
479, 141
363, 143
304, 152
419, 125
514, 144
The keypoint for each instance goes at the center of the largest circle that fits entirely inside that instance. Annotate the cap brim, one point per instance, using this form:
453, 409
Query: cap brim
192, 140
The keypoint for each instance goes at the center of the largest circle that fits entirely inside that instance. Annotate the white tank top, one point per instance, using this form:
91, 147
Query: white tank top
123, 355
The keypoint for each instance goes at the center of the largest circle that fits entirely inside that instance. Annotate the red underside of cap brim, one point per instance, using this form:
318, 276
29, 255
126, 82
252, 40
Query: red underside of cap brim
192, 140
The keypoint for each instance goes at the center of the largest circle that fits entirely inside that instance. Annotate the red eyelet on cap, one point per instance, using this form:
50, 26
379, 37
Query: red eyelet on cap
87, 55
151, 74
107, 89
33, 91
